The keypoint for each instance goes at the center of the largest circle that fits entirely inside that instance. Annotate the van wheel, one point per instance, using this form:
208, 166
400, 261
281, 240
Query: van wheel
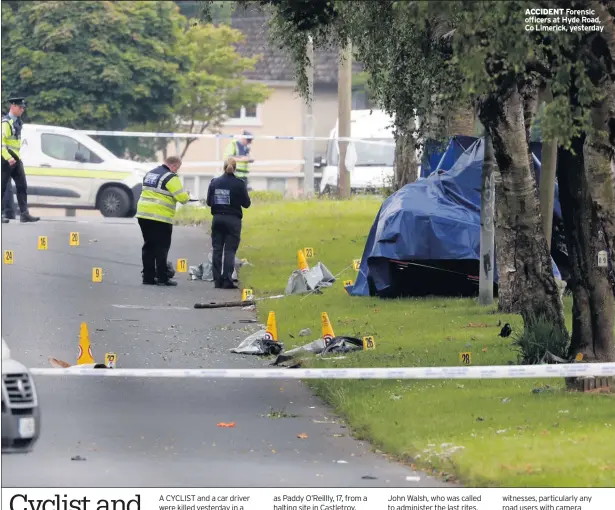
114, 202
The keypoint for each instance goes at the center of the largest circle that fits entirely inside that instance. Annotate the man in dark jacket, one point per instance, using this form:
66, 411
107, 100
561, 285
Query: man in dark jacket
226, 197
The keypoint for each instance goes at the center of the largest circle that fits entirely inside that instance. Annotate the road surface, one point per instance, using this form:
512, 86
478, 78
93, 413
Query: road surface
158, 433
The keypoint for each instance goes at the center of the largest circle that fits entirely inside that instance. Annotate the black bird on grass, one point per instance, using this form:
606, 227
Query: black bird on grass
505, 331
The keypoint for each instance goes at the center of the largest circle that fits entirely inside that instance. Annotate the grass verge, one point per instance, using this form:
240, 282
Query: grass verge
512, 433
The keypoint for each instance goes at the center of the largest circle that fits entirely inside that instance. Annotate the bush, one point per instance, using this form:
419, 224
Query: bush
538, 340
266, 196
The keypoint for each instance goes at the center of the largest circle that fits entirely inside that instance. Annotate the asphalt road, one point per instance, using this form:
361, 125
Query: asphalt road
158, 433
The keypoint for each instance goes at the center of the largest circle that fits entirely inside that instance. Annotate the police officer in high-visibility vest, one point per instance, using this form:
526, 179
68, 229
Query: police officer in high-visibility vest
239, 150
12, 166
162, 189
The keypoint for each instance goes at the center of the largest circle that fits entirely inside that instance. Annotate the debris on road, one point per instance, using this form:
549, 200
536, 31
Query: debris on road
260, 344
78, 457
226, 425
204, 271
369, 477
302, 436
276, 415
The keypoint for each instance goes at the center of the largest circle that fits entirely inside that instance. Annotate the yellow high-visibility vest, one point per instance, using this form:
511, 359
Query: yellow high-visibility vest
11, 138
162, 189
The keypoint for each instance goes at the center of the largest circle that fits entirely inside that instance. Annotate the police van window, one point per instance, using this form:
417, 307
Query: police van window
64, 148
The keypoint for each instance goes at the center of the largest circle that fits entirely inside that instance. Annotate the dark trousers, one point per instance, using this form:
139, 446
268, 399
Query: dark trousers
156, 245
225, 238
18, 174
8, 201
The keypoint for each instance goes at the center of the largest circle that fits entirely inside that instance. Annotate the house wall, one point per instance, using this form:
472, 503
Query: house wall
281, 114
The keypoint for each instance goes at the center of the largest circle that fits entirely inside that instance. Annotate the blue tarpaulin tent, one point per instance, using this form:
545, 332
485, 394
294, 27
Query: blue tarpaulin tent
430, 228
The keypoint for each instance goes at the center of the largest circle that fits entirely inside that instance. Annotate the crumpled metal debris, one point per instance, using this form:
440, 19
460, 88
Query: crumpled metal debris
204, 271
337, 345
317, 277
258, 343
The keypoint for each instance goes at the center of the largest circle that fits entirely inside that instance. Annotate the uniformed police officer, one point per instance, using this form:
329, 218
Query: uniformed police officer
162, 189
239, 150
226, 196
12, 166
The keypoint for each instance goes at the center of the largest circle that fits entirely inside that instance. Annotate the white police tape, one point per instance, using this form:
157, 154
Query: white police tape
144, 134
472, 372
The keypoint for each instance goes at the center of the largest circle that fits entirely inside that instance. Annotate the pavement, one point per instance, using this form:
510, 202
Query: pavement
148, 432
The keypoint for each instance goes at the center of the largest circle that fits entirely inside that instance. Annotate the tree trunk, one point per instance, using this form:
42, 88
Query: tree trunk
547, 175
525, 277
406, 164
588, 208
461, 121
487, 233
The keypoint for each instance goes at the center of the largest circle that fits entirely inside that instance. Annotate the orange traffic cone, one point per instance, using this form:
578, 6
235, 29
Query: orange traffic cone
301, 262
85, 349
327, 329
271, 332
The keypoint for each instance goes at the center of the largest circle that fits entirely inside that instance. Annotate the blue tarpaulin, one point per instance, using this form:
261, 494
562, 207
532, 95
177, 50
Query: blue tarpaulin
436, 218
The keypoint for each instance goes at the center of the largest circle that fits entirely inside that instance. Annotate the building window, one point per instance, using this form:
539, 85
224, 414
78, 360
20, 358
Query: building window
245, 116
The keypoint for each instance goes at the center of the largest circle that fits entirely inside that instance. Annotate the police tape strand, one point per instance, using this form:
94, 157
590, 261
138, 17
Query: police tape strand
144, 134
465, 372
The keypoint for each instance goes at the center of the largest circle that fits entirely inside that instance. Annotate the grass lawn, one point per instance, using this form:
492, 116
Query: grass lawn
511, 433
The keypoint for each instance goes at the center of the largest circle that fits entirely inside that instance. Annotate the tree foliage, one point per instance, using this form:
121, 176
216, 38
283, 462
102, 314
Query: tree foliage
432, 56
212, 86
92, 64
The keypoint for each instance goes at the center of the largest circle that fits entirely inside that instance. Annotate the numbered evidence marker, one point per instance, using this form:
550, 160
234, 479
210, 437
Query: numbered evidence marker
8, 256
110, 359
356, 264
369, 343
182, 265
73, 239
309, 252
97, 274
603, 260
347, 283
42, 243
465, 358
247, 295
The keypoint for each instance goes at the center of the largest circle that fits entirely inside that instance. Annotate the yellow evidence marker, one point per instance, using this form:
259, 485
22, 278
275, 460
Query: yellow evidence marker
97, 274
42, 243
465, 358
369, 343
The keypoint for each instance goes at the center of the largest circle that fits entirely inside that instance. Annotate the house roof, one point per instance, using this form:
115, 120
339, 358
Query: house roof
275, 64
